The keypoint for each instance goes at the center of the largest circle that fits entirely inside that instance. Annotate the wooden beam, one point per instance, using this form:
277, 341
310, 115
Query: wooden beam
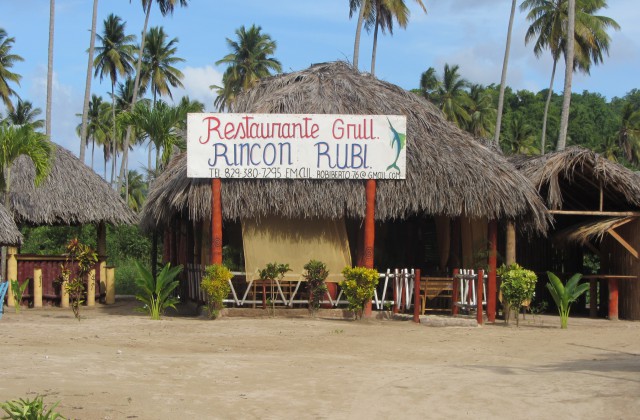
594, 213
624, 243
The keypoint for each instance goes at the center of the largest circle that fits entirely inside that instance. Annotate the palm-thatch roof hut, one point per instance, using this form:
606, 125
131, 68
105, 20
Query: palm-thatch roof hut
596, 205
9, 233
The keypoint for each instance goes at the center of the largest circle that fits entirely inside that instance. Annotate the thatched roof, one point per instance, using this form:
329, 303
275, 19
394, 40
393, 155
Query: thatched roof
72, 194
571, 179
9, 233
448, 172
583, 233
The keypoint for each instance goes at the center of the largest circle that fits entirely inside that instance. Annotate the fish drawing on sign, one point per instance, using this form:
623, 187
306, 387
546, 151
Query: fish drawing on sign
398, 142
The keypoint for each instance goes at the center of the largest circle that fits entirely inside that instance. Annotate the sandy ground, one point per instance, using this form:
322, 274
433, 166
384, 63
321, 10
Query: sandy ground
117, 364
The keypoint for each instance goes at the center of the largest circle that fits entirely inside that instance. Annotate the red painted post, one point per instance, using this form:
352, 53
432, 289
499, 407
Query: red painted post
416, 297
613, 299
369, 232
479, 296
456, 292
216, 221
493, 262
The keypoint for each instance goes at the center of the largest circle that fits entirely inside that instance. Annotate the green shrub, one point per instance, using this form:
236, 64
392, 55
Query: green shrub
17, 290
215, 285
316, 275
358, 287
517, 286
273, 271
77, 277
565, 295
25, 409
156, 293
126, 273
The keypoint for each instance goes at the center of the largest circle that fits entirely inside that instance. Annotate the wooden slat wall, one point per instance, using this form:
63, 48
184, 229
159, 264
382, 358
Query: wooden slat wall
620, 261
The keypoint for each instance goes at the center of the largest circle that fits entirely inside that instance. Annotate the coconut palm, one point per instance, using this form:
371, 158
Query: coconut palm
137, 191
7, 60
47, 118
518, 137
548, 28
87, 85
386, 11
250, 60
158, 62
95, 127
482, 114
568, 75
429, 83
451, 96
115, 57
25, 114
629, 133
503, 77
365, 11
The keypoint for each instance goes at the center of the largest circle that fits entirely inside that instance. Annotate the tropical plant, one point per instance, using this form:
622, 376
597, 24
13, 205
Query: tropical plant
47, 118
629, 133
7, 60
517, 285
565, 295
75, 272
568, 75
156, 294
503, 77
272, 272
215, 284
364, 8
137, 190
451, 96
429, 83
358, 287
549, 22
26, 409
87, 85
158, 63
17, 290
95, 125
316, 276
481, 112
250, 60
25, 114
518, 136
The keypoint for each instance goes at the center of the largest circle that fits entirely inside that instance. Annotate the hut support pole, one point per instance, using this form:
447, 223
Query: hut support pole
37, 287
216, 221
509, 258
102, 256
416, 297
613, 299
369, 233
479, 299
12, 272
91, 288
493, 262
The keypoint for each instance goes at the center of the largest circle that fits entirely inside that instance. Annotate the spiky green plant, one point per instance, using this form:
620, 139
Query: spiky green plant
565, 295
156, 293
18, 290
30, 409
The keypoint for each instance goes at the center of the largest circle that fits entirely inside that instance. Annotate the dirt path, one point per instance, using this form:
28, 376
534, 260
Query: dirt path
117, 364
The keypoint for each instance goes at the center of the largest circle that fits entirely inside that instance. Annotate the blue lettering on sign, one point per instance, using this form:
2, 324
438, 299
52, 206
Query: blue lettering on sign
345, 156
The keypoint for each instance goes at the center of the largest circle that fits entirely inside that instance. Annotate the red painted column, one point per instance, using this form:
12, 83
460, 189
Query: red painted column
216, 221
479, 289
493, 262
456, 292
613, 299
416, 297
369, 232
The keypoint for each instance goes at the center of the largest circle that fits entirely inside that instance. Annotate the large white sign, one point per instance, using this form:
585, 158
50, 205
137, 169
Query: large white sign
290, 146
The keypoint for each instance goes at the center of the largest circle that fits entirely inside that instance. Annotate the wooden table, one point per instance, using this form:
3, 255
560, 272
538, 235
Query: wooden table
612, 280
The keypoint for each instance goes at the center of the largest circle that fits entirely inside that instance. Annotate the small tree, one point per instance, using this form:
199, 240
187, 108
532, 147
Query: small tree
270, 273
358, 286
215, 284
316, 276
565, 295
79, 274
157, 293
518, 285
17, 290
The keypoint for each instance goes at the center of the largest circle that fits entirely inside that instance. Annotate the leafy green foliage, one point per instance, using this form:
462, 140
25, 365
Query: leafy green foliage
156, 294
358, 287
215, 284
78, 274
17, 290
316, 275
565, 295
26, 409
271, 272
517, 286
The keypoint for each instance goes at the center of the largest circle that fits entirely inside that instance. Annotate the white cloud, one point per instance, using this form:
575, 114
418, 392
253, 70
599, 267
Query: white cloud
196, 84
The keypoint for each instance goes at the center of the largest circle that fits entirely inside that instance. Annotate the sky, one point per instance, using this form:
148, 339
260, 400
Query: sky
470, 33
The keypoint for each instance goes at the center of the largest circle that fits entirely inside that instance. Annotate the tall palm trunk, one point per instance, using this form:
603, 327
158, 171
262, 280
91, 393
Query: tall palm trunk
113, 127
503, 78
87, 88
136, 87
543, 137
3, 250
356, 45
52, 13
375, 47
568, 75
93, 148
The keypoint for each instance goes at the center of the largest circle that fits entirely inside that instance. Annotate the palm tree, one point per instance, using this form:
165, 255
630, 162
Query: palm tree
87, 86
518, 137
503, 77
25, 114
364, 9
16, 141
568, 75
452, 97
249, 61
137, 191
482, 114
429, 84
157, 63
629, 133
7, 60
385, 13
94, 126
227, 93
549, 28
52, 13
115, 57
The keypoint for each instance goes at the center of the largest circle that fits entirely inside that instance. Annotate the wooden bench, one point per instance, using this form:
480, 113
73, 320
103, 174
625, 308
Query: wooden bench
436, 287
